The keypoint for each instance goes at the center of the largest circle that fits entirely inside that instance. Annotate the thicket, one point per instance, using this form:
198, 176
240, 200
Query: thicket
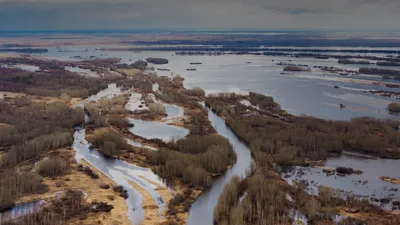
58, 211
194, 159
119, 121
14, 185
52, 166
256, 201
156, 109
395, 74
108, 141
42, 126
197, 92
136, 82
53, 83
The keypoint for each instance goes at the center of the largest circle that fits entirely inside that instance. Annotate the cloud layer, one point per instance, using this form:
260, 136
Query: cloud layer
200, 14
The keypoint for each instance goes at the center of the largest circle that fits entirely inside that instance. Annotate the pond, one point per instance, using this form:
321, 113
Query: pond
151, 129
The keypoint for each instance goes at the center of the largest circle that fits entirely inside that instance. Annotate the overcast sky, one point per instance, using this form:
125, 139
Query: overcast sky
199, 14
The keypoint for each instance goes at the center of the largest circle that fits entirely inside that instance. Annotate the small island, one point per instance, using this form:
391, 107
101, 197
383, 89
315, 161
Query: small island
157, 61
348, 61
394, 107
296, 69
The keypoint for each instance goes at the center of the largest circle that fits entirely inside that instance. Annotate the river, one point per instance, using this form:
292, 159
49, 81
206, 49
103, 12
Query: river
202, 211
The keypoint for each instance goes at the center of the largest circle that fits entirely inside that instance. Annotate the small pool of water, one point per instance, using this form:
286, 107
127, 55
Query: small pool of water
151, 129
173, 112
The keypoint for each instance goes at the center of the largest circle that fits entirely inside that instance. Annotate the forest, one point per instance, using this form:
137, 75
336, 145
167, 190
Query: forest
43, 127
292, 140
194, 159
49, 84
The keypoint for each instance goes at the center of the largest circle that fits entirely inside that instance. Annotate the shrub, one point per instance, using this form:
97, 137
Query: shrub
118, 121
394, 107
197, 92
109, 141
157, 109
51, 166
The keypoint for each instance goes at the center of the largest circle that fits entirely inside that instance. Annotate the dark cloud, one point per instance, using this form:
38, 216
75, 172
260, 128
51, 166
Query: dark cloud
202, 14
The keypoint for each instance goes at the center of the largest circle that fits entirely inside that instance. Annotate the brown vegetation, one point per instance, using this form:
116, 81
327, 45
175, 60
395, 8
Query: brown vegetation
394, 107
53, 83
108, 141
194, 159
43, 127
293, 139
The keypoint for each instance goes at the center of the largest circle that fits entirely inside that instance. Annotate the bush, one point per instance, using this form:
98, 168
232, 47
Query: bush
394, 107
120, 122
157, 109
109, 141
197, 92
51, 166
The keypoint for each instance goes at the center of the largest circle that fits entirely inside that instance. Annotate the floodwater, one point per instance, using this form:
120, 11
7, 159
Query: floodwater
245, 73
365, 185
140, 145
151, 129
111, 91
21, 210
202, 210
81, 71
29, 68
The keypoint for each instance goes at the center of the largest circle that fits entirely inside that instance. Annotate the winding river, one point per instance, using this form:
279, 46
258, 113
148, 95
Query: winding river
120, 171
202, 211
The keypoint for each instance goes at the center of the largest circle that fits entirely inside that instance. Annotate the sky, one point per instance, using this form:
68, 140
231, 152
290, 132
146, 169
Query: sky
199, 14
